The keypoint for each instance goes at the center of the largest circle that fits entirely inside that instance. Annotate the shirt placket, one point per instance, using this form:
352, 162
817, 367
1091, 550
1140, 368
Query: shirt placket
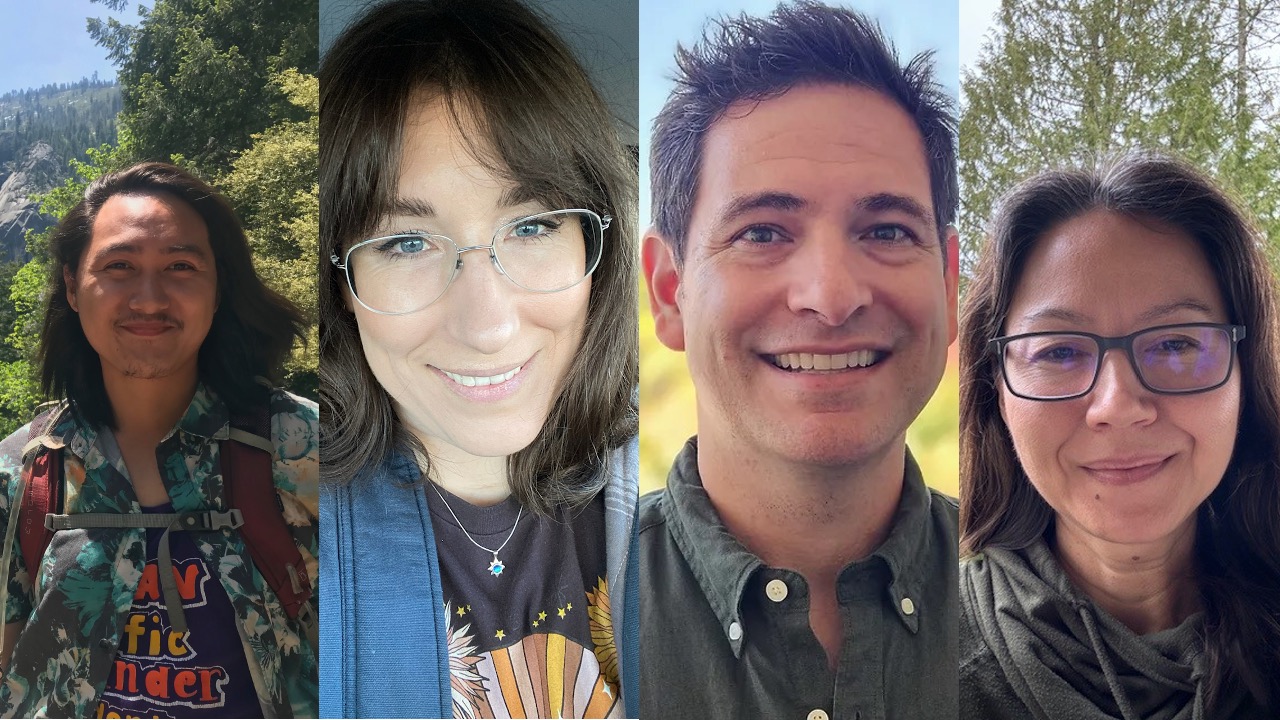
782, 599
860, 674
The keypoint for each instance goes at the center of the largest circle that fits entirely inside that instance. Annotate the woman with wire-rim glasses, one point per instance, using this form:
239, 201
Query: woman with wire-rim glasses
1120, 454
478, 356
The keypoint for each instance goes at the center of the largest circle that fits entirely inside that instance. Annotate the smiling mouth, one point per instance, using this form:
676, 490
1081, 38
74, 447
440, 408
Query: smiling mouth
477, 381
814, 361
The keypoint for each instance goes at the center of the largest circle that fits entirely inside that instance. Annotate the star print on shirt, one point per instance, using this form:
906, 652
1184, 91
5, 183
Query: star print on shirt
542, 616
461, 611
560, 612
500, 634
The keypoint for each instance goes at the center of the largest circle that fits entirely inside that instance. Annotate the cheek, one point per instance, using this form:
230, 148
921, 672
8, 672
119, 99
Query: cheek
1039, 430
1213, 425
390, 339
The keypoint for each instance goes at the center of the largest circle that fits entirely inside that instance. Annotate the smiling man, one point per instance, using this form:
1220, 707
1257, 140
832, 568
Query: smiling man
796, 564
160, 518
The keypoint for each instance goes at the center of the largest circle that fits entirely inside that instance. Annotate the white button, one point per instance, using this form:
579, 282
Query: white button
818, 714
735, 631
776, 590
908, 607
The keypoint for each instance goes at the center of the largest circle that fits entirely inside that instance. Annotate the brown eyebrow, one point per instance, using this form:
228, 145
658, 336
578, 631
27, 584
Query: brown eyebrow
131, 248
1151, 315
417, 207
768, 200
889, 202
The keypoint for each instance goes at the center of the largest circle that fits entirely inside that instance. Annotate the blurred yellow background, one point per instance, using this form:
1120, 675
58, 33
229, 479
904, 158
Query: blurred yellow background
668, 418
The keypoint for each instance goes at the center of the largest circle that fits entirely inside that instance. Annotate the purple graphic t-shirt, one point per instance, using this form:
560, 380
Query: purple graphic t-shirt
159, 673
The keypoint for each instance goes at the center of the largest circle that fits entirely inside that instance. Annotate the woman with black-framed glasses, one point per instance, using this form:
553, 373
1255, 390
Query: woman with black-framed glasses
477, 361
1120, 454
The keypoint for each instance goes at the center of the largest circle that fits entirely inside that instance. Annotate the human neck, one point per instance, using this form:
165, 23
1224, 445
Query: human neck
811, 519
1149, 587
478, 480
147, 409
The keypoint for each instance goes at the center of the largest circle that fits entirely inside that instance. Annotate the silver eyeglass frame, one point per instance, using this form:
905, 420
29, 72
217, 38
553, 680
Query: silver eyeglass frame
344, 263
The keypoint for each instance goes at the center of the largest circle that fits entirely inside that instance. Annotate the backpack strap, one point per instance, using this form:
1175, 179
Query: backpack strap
42, 492
202, 521
248, 481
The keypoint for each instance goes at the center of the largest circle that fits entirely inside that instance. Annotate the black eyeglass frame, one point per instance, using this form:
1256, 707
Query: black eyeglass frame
1235, 334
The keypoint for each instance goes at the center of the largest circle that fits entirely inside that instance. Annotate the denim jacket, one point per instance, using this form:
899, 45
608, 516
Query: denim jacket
383, 573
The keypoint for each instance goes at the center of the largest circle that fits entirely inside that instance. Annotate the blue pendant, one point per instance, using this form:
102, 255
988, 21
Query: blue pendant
496, 567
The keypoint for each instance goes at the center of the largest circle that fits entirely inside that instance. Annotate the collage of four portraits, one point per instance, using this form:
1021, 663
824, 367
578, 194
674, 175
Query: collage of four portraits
783, 359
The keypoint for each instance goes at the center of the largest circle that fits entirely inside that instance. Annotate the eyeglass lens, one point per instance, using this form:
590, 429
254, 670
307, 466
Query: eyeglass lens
1180, 359
543, 253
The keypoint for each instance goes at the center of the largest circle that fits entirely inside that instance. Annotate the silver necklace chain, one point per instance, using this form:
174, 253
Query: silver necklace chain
497, 566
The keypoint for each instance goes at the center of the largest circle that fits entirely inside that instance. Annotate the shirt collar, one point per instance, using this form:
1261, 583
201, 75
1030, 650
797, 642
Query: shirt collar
723, 567
206, 417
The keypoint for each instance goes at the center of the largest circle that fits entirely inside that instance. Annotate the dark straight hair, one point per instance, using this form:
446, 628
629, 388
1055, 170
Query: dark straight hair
1238, 533
753, 59
253, 328
535, 120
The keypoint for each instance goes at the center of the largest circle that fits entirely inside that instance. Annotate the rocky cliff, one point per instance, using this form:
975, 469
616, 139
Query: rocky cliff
38, 172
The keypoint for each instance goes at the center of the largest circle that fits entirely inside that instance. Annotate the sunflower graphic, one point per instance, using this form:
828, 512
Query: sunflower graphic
600, 619
465, 682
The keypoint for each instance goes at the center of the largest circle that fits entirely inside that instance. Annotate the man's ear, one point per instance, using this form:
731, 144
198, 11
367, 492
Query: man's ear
70, 281
662, 277
952, 274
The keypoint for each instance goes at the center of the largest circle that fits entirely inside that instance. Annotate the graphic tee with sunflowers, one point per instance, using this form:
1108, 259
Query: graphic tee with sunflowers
530, 635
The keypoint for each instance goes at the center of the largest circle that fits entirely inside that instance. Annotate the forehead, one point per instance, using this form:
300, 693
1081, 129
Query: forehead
1110, 270
147, 221
826, 143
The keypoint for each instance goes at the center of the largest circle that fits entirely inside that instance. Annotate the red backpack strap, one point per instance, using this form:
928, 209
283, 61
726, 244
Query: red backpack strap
40, 499
43, 490
250, 487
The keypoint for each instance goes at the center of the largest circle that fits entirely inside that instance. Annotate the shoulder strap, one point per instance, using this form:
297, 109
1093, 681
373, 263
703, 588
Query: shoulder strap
42, 494
250, 487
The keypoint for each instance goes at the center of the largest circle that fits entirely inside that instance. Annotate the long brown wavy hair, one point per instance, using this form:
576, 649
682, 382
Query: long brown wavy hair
1238, 535
497, 62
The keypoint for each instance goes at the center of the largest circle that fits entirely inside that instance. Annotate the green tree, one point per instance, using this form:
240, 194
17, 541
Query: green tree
1060, 82
196, 75
273, 185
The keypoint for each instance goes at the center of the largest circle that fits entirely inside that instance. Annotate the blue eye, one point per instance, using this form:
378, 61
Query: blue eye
403, 245
533, 228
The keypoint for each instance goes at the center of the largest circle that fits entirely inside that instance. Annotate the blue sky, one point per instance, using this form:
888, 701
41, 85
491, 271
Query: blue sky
45, 41
913, 25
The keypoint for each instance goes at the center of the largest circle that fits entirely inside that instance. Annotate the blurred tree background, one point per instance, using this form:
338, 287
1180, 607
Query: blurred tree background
1062, 82
226, 89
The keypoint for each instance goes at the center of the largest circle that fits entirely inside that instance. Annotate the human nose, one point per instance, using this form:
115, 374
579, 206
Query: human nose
1118, 397
482, 309
149, 294
828, 279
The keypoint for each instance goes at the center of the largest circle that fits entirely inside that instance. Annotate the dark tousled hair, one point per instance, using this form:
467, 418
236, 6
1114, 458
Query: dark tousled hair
1238, 532
517, 91
753, 59
253, 328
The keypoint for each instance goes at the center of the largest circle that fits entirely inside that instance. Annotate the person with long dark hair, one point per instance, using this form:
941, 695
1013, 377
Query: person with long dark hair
478, 364
1120, 425
159, 518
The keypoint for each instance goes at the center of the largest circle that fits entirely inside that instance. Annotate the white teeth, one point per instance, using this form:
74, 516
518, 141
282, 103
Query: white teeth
471, 381
814, 361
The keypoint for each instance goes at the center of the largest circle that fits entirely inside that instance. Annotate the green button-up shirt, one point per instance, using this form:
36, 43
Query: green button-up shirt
725, 636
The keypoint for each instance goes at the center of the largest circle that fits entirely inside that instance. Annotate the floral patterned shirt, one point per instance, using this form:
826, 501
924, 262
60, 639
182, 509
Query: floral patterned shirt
76, 612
